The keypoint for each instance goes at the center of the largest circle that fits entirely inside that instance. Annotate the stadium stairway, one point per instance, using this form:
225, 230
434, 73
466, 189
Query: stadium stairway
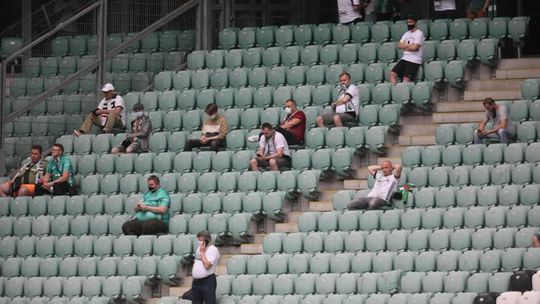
417, 129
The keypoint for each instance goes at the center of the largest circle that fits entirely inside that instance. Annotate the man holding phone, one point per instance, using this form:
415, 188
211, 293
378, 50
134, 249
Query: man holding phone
203, 289
273, 150
152, 213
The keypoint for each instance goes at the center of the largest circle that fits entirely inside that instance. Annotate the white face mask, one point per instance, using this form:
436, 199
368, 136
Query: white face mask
139, 114
288, 110
213, 116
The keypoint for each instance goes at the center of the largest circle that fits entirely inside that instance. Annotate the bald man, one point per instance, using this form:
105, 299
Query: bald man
386, 181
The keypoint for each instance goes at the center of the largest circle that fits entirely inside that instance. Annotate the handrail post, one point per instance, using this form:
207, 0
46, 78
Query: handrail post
101, 44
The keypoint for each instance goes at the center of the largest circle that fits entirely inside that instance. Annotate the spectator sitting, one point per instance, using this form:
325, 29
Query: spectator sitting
503, 128
23, 183
345, 109
214, 130
273, 150
412, 45
58, 178
109, 114
152, 213
385, 185
292, 127
141, 128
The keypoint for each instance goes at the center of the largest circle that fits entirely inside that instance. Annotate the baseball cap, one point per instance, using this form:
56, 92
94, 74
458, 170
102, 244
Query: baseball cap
107, 87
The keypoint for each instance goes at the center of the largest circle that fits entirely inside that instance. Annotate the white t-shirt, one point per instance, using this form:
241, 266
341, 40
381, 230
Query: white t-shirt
351, 105
384, 186
346, 10
416, 37
110, 104
199, 271
277, 141
445, 5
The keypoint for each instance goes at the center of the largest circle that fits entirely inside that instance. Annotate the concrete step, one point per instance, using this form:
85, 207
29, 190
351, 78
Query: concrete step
251, 248
459, 106
223, 258
292, 217
393, 160
457, 117
518, 74
328, 194
221, 270
426, 140
494, 84
259, 238
355, 184
178, 291
412, 119
321, 206
395, 150
519, 63
418, 129
497, 95
287, 227
362, 173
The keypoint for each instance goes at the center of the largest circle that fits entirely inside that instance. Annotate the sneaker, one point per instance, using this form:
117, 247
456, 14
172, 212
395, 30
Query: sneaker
253, 138
77, 133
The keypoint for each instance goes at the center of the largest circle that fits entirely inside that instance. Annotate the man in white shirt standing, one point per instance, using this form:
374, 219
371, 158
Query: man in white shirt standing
273, 150
203, 289
385, 185
110, 113
350, 11
445, 9
411, 43
345, 109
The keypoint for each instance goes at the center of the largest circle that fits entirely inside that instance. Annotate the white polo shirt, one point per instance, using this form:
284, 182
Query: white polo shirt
384, 186
199, 271
353, 104
416, 37
277, 141
346, 10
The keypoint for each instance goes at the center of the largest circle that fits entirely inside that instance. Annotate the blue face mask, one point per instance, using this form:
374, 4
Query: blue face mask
139, 114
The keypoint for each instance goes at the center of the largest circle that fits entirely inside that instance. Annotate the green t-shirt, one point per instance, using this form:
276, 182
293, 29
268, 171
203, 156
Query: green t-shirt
57, 167
157, 198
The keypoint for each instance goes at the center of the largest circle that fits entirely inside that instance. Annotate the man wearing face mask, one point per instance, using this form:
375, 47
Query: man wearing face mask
137, 140
214, 131
273, 150
292, 127
109, 114
345, 109
411, 43
203, 288
152, 213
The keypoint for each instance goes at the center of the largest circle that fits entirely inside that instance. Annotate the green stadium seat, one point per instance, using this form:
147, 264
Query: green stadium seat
34, 86
332, 73
375, 73
459, 28
387, 52
328, 54
186, 40
380, 32
530, 89
265, 36
498, 27
322, 34
367, 53
167, 41
478, 28
439, 29
284, 36
10, 45
200, 79
487, 51
238, 78
361, 32
137, 62
518, 30
196, 60
303, 35
173, 60
526, 131
397, 29
227, 38
246, 38
454, 73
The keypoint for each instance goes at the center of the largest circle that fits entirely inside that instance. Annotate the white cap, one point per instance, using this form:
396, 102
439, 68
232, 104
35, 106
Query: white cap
107, 87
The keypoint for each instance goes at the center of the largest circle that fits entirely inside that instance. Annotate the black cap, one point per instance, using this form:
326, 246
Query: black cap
412, 18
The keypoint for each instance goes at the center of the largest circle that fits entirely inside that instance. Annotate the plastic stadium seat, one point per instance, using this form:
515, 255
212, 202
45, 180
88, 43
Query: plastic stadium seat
387, 52
487, 51
227, 38
265, 36
518, 29
397, 29
367, 53
361, 32
246, 38
356, 70
329, 54
439, 30
459, 29
380, 32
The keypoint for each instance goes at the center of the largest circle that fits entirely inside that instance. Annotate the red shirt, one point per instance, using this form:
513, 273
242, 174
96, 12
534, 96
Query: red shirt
299, 129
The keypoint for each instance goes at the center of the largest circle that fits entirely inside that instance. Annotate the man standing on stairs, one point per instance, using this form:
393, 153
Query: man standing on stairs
502, 127
110, 113
203, 289
411, 44
386, 183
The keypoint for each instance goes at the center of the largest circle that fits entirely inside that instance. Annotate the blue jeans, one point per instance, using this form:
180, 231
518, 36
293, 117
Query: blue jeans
204, 290
502, 135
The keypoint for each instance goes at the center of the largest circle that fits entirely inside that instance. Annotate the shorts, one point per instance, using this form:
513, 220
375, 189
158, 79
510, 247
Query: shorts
285, 161
328, 118
29, 187
406, 69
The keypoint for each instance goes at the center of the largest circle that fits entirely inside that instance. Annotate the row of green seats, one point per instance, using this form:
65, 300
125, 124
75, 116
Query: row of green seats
398, 240
56, 104
471, 50
61, 290
421, 298
124, 82
463, 134
432, 218
166, 41
455, 155
305, 182
40, 126
67, 249
382, 31
403, 285
153, 267
480, 175
121, 63
123, 204
452, 260
449, 197
222, 224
